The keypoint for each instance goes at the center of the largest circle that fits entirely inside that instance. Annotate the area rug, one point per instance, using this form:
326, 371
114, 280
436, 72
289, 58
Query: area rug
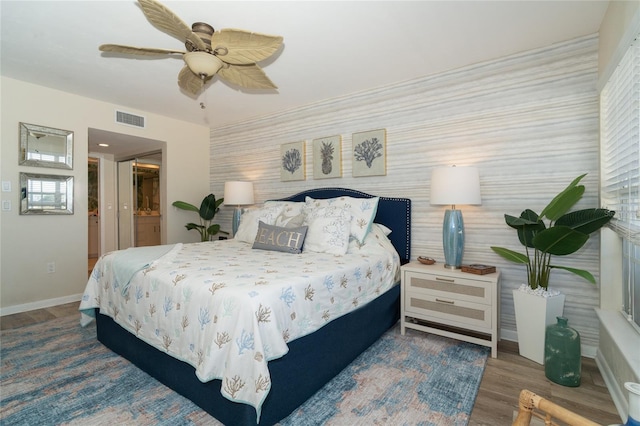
57, 373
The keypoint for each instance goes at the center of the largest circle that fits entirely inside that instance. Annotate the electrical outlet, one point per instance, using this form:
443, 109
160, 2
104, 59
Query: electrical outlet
51, 267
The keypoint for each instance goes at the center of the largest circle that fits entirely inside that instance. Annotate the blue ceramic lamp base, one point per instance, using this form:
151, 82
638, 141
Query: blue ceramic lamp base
453, 238
237, 212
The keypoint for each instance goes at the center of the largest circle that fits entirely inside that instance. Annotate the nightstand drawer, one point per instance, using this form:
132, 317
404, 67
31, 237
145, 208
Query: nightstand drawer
448, 310
448, 287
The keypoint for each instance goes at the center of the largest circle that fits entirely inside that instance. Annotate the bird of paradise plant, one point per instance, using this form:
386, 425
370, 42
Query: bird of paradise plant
207, 211
565, 233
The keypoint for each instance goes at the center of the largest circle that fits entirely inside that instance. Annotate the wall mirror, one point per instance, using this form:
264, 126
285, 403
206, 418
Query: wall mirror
46, 194
45, 146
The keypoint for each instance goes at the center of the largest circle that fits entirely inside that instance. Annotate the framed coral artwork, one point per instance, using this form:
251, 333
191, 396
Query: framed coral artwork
292, 161
327, 157
369, 153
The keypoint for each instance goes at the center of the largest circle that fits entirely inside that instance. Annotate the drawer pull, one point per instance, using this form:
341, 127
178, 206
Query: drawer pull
450, 302
448, 280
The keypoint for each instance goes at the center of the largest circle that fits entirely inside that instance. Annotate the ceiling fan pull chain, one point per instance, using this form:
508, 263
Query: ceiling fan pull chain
203, 105
205, 101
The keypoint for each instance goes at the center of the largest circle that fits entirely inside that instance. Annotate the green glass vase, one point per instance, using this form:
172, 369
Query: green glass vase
562, 363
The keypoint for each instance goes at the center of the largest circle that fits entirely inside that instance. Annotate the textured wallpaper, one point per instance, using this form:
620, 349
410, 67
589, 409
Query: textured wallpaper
529, 122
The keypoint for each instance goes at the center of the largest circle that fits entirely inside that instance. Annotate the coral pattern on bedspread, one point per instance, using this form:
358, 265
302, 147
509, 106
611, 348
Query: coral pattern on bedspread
227, 309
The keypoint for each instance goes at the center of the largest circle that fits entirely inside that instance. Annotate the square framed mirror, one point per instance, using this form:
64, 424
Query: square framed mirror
45, 147
46, 194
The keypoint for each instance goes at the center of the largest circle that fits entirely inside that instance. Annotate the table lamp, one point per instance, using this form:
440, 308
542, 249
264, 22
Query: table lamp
238, 194
451, 186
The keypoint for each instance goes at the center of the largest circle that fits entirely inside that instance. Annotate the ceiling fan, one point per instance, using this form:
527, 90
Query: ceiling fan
230, 53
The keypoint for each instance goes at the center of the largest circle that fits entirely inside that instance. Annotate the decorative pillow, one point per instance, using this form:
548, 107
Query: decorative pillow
277, 238
384, 229
248, 227
328, 230
363, 211
379, 235
291, 214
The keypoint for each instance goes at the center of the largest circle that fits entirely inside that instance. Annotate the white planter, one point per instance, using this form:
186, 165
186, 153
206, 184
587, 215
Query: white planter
533, 314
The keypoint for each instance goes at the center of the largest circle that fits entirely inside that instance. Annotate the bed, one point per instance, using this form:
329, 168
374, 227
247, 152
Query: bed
311, 360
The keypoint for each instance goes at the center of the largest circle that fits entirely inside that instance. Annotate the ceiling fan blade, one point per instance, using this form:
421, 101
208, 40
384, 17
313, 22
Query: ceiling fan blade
131, 50
249, 76
189, 82
241, 47
165, 20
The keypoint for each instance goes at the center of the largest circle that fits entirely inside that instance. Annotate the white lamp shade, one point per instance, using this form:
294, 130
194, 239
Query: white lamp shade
202, 63
455, 185
238, 193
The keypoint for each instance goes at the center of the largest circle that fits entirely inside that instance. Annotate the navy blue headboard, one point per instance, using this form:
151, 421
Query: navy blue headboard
394, 213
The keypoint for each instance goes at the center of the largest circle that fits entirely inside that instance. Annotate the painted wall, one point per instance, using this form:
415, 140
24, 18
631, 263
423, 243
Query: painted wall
529, 122
615, 36
28, 243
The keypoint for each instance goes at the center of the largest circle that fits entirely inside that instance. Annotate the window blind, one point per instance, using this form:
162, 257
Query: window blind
620, 139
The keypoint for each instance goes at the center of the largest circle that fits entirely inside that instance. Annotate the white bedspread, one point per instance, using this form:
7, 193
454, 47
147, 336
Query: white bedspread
227, 309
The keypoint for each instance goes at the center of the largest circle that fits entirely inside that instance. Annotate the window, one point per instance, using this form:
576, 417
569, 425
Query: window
631, 287
620, 149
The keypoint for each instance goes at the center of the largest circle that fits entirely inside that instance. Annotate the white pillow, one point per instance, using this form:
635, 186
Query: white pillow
248, 228
363, 211
328, 230
384, 229
291, 214
378, 236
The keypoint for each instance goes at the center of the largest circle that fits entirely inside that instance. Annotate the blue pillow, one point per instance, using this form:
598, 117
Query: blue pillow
276, 238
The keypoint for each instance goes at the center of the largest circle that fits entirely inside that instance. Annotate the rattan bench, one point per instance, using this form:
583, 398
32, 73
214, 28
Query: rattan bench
532, 405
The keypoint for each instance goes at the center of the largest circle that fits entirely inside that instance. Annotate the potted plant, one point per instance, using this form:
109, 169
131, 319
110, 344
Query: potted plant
555, 232
207, 211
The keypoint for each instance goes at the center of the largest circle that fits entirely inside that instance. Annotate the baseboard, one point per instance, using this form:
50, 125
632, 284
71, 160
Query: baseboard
619, 399
41, 304
510, 335
588, 351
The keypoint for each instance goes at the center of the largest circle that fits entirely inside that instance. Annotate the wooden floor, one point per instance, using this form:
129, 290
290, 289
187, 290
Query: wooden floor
497, 399
506, 375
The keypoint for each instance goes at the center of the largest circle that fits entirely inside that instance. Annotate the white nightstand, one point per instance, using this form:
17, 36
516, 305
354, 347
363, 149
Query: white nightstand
451, 303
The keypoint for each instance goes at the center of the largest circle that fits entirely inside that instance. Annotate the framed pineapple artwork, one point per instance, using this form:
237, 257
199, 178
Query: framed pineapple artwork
327, 157
370, 153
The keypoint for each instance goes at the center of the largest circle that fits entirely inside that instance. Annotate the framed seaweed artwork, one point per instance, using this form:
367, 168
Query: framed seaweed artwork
292, 161
327, 157
370, 153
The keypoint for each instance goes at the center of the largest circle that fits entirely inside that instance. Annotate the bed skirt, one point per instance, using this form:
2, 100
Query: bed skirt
311, 362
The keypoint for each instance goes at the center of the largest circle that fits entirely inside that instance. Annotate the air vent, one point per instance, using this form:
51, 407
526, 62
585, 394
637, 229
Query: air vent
130, 119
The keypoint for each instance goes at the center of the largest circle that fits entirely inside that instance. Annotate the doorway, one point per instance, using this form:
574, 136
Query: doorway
93, 203
139, 201
113, 148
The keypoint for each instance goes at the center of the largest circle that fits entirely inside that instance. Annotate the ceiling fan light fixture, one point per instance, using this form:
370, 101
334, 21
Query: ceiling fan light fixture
232, 53
203, 63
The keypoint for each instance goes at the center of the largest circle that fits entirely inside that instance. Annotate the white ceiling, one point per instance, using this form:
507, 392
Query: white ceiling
331, 48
